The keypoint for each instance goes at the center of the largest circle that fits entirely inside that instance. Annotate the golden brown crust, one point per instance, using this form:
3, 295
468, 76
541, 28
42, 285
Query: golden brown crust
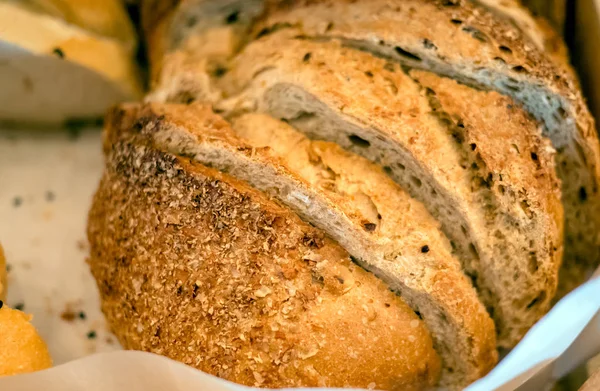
22, 350
262, 298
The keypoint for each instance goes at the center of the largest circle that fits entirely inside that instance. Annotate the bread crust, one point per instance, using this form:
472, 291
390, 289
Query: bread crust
262, 298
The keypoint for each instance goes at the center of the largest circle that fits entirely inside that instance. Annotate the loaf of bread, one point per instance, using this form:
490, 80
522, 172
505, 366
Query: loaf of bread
442, 146
64, 61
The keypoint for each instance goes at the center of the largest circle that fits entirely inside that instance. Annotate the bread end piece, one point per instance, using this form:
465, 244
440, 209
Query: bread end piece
262, 298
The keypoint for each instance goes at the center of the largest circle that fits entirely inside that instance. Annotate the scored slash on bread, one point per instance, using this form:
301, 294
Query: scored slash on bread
268, 299
498, 215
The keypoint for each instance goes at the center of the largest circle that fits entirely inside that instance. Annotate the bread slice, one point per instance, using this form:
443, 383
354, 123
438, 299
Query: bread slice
371, 107
470, 44
55, 72
198, 266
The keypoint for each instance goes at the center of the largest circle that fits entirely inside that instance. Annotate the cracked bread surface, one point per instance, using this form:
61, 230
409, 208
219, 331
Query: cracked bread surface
262, 298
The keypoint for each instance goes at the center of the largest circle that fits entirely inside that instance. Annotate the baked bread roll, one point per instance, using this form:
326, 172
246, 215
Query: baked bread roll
64, 61
22, 350
435, 142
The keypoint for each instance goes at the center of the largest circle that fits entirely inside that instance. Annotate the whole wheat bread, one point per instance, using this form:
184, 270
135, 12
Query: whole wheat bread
262, 298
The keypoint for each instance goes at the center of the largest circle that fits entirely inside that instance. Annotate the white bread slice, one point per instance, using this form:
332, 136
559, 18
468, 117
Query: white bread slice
53, 72
371, 107
380, 225
464, 41
198, 266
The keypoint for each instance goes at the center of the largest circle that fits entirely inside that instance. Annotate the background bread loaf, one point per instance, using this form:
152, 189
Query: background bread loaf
65, 61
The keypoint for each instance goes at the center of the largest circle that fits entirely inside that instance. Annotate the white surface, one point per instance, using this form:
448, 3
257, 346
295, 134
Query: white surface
54, 175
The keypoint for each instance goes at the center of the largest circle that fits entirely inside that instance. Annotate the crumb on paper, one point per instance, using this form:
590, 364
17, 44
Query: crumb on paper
72, 312
109, 341
47, 215
17, 201
50, 196
67, 315
91, 334
82, 244
20, 306
8, 267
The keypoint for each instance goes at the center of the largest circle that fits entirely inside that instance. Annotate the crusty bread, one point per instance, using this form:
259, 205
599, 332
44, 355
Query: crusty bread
378, 223
262, 298
22, 350
55, 72
446, 160
465, 41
